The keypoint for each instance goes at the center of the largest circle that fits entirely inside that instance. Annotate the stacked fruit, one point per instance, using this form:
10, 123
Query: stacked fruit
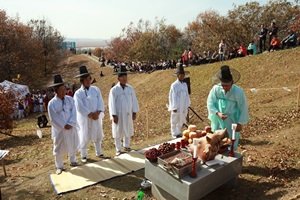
166, 148
152, 154
192, 132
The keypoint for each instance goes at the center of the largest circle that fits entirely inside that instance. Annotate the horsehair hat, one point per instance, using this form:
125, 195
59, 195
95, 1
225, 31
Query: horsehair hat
225, 75
57, 80
83, 72
122, 71
180, 69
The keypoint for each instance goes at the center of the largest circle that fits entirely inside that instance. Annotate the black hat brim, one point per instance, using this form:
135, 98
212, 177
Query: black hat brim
185, 72
123, 73
84, 74
234, 73
56, 84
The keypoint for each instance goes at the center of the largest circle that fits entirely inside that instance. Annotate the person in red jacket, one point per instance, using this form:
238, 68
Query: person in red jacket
242, 51
275, 44
69, 92
184, 58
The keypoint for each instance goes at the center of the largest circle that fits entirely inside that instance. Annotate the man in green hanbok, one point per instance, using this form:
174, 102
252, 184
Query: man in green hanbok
227, 104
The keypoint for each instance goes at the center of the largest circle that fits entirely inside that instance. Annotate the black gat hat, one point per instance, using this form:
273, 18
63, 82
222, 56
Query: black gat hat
226, 75
83, 72
180, 69
57, 81
122, 71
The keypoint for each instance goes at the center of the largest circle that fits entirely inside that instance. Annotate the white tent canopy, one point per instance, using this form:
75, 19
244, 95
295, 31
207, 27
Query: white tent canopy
18, 89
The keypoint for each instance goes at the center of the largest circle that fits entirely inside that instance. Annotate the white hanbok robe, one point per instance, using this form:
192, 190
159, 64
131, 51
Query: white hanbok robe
87, 101
61, 113
41, 101
233, 104
122, 103
179, 100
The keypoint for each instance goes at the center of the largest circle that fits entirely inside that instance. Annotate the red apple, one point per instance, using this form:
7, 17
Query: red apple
203, 133
208, 129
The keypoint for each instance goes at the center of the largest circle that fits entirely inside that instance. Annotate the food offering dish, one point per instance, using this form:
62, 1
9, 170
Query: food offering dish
166, 147
152, 154
178, 163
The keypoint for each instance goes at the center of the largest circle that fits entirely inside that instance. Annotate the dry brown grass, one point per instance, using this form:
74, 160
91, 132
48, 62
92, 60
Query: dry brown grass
270, 142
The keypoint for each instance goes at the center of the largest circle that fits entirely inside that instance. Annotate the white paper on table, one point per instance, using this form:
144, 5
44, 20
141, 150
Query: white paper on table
214, 162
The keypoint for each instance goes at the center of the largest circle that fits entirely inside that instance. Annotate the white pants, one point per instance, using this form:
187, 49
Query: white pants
98, 149
15, 113
176, 129
60, 149
36, 108
59, 160
41, 108
21, 114
118, 142
176, 123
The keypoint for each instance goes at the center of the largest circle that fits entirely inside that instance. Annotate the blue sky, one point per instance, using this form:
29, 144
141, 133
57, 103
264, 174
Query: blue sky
106, 18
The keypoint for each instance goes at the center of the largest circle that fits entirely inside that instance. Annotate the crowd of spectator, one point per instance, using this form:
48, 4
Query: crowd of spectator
266, 38
225, 53
32, 103
37, 101
143, 67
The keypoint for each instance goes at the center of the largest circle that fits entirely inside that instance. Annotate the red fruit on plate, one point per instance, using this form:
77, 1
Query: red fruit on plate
203, 133
207, 129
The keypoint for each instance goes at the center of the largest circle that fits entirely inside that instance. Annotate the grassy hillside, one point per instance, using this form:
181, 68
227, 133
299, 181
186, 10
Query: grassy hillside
270, 146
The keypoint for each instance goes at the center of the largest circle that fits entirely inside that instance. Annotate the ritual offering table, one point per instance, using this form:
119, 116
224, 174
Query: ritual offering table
210, 176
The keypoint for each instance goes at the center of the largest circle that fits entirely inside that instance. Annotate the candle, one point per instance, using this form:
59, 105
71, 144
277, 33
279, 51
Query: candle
233, 127
195, 141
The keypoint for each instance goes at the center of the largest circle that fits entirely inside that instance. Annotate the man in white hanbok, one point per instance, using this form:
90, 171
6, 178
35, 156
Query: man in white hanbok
179, 102
62, 115
227, 104
123, 106
90, 111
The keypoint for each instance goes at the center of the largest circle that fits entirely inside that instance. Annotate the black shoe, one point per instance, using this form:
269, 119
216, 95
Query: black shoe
75, 164
103, 156
127, 149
